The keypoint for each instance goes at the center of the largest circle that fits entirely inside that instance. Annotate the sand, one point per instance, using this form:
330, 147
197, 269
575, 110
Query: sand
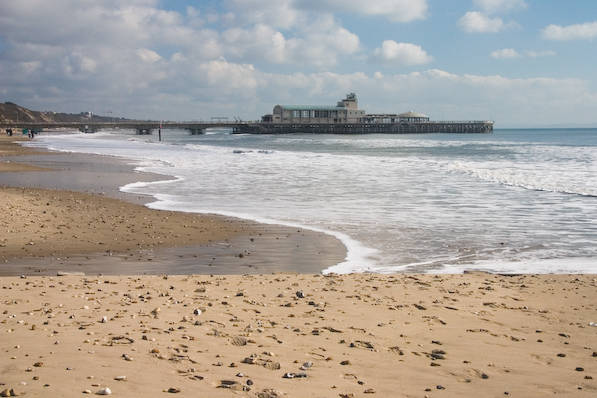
261, 334
9, 149
48, 228
338, 336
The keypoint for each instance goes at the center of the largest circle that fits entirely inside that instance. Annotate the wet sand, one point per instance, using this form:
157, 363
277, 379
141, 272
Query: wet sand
100, 230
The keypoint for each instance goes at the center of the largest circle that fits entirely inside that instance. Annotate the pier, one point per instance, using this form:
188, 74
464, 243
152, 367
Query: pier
240, 127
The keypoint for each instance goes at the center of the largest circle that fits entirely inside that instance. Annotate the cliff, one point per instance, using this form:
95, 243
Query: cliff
13, 113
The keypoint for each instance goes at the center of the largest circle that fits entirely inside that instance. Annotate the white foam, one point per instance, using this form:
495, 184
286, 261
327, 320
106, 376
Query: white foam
568, 265
415, 211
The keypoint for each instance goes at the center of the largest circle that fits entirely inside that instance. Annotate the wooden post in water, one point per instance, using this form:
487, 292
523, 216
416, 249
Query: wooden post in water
160, 132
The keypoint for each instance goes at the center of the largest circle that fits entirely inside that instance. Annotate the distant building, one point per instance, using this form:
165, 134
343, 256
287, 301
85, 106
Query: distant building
345, 111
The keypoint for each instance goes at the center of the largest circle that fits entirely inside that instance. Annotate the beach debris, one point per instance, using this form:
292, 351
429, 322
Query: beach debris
290, 375
269, 393
104, 391
233, 385
120, 340
126, 357
8, 392
104, 319
239, 341
369, 391
437, 354
197, 311
70, 273
306, 365
300, 294
86, 391
120, 378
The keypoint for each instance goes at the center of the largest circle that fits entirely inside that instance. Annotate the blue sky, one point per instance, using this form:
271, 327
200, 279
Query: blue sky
518, 62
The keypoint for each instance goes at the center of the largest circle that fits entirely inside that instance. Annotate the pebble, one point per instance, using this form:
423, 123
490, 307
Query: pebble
579, 369
120, 378
197, 311
300, 294
104, 319
104, 391
290, 375
306, 365
86, 391
173, 390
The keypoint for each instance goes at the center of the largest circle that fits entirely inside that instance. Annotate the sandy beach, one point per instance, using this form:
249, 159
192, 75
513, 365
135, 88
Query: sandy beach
290, 335
235, 308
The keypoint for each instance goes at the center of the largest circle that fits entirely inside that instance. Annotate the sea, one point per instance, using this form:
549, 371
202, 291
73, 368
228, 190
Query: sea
514, 201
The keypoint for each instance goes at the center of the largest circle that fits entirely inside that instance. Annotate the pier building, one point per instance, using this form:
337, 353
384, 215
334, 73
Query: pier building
346, 118
345, 111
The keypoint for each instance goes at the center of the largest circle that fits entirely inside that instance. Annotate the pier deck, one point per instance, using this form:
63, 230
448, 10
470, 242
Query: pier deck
146, 127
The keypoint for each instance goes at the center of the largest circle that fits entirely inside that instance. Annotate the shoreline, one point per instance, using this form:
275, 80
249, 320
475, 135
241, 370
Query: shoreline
266, 333
256, 248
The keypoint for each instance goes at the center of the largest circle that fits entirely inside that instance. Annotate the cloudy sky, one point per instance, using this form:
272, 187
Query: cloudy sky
518, 62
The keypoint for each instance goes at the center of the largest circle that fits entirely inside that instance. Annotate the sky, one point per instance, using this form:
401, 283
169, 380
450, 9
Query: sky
521, 63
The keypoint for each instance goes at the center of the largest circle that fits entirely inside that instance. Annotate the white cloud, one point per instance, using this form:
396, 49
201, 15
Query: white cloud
505, 53
226, 75
499, 6
147, 55
394, 10
571, 32
288, 13
279, 14
401, 53
319, 43
476, 22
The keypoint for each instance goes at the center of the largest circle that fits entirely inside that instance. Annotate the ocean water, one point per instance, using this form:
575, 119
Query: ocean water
515, 201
